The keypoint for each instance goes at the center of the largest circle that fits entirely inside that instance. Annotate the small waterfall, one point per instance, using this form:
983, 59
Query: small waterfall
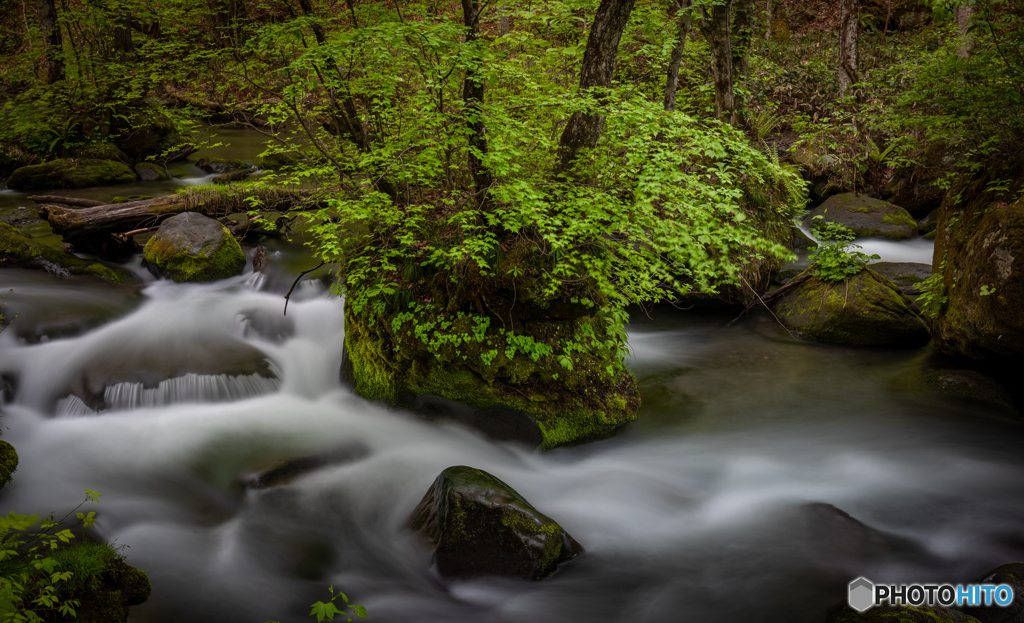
72, 406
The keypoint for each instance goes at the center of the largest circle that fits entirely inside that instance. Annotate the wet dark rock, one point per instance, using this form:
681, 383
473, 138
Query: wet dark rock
288, 470
969, 385
903, 273
8, 462
867, 216
842, 613
927, 225
785, 275
220, 165
821, 191
835, 534
193, 247
20, 251
234, 176
1012, 574
865, 310
479, 526
21, 217
66, 173
801, 241
150, 172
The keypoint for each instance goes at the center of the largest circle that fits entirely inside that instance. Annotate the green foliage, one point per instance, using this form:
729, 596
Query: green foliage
39, 576
832, 259
933, 297
328, 609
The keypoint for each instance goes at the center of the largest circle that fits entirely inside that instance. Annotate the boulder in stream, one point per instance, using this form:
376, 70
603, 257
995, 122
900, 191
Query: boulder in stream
479, 526
867, 216
1012, 574
20, 251
68, 173
865, 310
193, 247
109, 585
8, 462
151, 172
220, 165
843, 613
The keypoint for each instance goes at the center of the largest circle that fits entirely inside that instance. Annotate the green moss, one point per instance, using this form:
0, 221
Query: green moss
206, 251
551, 533
897, 614
903, 219
130, 198
66, 173
17, 250
8, 462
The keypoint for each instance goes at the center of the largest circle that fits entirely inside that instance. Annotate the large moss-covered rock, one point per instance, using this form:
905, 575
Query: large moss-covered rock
20, 251
979, 253
1012, 574
843, 613
151, 172
145, 131
865, 310
103, 582
8, 462
193, 247
867, 216
509, 396
479, 526
66, 173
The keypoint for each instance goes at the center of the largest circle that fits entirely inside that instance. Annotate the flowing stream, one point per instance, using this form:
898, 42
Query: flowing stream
711, 507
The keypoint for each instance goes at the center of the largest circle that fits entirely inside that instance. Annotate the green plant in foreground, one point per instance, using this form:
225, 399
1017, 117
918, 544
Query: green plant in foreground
831, 259
33, 579
327, 609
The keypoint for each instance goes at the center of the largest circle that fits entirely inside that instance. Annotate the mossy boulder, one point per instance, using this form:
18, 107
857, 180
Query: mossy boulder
867, 216
1012, 574
20, 251
102, 151
8, 462
479, 526
801, 241
150, 172
105, 585
979, 253
193, 247
66, 173
865, 310
903, 273
822, 190
145, 131
843, 613
506, 393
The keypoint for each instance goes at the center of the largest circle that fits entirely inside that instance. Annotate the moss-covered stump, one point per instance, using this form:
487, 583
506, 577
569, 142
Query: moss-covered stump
479, 526
1012, 574
867, 216
843, 613
525, 392
193, 247
103, 583
979, 253
20, 251
66, 173
8, 462
150, 172
865, 310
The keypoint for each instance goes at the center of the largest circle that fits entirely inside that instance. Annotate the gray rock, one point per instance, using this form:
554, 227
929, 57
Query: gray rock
149, 172
903, 273
867, 216
1012, 574
194, 247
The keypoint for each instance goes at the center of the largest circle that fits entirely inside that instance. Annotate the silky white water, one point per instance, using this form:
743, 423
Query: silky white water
698, 511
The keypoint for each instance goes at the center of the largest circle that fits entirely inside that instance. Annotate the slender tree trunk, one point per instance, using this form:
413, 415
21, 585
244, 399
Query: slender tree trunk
715, 28
672, 82
123, 36
768, 20
473, 96
849, 23
743, 21
963, 23
584, 129
47, 11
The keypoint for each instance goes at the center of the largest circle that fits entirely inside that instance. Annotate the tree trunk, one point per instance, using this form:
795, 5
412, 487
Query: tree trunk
768, 20
963, 23
672, 82
473, 96
715, 28
47, 11
584, 129
123, 37
743, 21
849, 23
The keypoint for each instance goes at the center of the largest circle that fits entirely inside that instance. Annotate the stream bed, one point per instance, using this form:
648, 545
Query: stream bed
718, 504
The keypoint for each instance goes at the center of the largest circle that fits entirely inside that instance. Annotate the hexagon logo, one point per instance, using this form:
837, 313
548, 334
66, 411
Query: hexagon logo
861, 595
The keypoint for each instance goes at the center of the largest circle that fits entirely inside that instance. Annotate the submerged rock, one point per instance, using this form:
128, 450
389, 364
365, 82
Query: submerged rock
1012, 574
150, 172
979, 253
867, 216
8, 462
479, 526
20, 251
193, 247
66, 173
865, 310
843, 613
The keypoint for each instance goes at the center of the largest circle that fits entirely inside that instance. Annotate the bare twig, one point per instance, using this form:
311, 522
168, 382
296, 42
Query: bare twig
289, 295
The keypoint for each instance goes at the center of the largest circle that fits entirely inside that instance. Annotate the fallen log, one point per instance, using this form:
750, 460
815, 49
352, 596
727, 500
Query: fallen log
98, 222
68, 201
